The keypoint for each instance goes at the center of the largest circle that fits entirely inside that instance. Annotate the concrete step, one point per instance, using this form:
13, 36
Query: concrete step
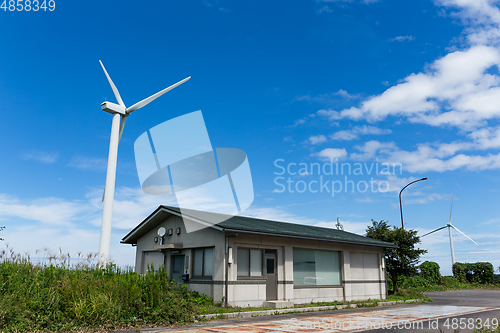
277, 304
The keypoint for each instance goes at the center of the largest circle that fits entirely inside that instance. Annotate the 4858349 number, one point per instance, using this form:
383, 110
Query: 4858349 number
28, 5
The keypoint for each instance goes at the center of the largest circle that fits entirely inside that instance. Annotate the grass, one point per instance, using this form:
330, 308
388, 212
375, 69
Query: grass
57, 296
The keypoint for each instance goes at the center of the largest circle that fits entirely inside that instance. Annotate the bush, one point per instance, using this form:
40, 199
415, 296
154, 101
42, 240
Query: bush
413, 282
50, 298
479, 272
430, 271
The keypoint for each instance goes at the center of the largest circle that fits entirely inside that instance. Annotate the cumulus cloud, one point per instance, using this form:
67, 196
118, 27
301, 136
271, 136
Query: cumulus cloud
329, 97
459, 89
317, 139
41, 156
456, 90
401, 39
330, 154
355, 132
88, 163
427, 157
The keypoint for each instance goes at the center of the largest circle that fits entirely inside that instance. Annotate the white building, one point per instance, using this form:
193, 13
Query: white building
267, 260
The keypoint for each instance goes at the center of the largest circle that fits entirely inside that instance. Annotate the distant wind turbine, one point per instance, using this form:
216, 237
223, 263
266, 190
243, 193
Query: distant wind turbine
120, 113
449, 226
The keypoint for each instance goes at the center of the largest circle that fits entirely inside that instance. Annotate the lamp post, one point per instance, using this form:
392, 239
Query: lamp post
400, 206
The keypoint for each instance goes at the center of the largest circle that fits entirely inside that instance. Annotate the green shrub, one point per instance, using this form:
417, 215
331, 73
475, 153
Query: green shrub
413, 282
50, 298
479, 272
429, 270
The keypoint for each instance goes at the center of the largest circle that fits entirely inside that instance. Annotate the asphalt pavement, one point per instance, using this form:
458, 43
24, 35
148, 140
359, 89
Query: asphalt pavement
450, 311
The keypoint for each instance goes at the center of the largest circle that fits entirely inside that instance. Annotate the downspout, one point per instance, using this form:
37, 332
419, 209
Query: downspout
226, 284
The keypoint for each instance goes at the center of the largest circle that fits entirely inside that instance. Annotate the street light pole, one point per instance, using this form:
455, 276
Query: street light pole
400, 206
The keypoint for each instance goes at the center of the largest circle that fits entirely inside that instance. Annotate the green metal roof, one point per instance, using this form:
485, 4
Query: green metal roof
256, 225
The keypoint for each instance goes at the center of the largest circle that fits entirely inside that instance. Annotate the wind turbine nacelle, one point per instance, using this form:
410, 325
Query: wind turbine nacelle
113, 108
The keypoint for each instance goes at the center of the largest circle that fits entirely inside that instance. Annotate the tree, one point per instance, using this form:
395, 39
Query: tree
1, 228
400, 261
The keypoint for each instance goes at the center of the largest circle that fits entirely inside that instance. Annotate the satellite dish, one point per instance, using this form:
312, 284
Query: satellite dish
162, 231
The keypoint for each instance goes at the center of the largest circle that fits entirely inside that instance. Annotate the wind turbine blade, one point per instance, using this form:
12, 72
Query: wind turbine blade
123, 120
464, 234
434, 231
103, 194
148, 100
115, 90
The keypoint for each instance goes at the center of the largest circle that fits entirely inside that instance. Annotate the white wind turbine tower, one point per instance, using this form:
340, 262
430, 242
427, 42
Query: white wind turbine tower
449, 226
120, 113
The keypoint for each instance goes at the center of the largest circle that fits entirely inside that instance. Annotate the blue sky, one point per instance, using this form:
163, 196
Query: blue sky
411, 83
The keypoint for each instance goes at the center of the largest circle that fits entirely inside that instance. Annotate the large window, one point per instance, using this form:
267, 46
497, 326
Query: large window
203, 262
316, 267
249, 262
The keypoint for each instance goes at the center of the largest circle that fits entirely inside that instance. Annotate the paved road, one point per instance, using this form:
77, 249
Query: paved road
463, 323
450, 310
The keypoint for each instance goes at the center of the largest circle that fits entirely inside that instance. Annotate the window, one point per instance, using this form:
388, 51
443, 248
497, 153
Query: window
203, 262
316, 267
249, 262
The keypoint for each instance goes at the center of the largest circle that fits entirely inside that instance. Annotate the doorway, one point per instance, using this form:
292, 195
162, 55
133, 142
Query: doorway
177, 268
271, 275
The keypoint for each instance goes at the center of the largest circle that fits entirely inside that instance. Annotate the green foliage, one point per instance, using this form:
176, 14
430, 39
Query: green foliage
429, 271
406, 294
51, 298
479, 272
413, 282
400, 261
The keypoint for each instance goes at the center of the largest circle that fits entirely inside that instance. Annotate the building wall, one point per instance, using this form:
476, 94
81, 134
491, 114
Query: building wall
207, 237
362, 271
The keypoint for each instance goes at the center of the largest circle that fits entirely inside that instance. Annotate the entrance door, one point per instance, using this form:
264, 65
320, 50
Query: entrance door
177, 268
271, 275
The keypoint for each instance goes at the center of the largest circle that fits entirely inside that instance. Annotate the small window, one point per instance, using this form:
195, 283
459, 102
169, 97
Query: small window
249, 262
203, 262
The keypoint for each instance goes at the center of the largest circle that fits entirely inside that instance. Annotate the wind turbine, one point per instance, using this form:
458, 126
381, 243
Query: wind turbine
449, 226
120, 113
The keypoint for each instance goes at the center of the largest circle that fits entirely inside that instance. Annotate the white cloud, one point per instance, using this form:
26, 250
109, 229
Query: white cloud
427, 157
401, 38
456, 90
51, 211
328, 98
88, 163
74, 226
41, 156
480, 17
331, 154
457, 83
317, 139
358, 130
325, 9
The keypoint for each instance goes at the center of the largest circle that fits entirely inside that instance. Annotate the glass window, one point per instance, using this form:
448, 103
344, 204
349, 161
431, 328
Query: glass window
243, 262
249, 262
198, 262
316, 267
255, 262
208, 262
270, 266
203, 262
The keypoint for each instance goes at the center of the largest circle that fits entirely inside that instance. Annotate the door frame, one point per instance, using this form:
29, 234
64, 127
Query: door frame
270, 284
